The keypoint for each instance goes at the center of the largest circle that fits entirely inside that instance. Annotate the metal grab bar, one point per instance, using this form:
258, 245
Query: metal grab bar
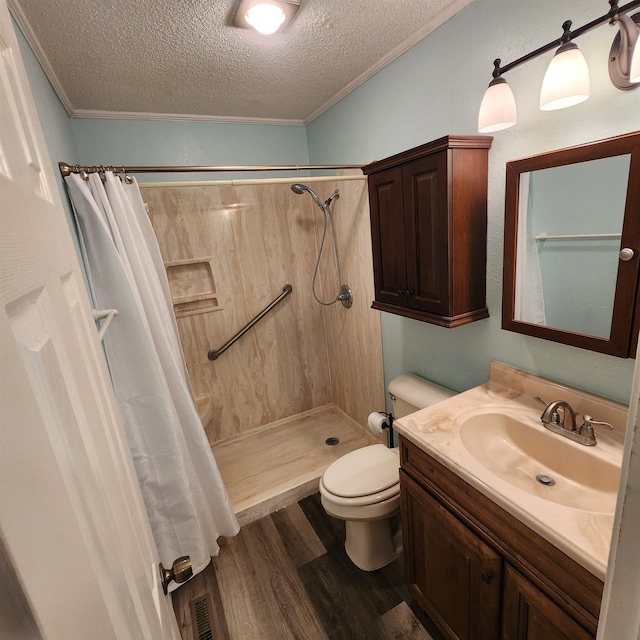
214, 354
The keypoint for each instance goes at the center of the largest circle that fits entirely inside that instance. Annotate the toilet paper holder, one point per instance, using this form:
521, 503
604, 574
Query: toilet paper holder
388, 427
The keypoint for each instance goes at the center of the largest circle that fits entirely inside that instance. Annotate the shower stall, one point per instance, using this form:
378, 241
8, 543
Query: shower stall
306, 373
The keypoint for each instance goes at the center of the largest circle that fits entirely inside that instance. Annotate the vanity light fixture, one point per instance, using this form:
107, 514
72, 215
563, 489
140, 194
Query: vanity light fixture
566, 81
265, 16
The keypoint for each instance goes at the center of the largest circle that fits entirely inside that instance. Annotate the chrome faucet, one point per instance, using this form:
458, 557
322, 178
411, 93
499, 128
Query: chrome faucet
560, 418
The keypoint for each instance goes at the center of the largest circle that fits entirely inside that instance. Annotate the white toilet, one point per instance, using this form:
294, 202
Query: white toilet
362, 487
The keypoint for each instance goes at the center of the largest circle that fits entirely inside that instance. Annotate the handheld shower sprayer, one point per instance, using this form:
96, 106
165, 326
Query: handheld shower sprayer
344, 295
301, 188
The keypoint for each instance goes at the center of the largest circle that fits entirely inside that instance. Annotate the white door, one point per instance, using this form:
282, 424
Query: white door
76, 550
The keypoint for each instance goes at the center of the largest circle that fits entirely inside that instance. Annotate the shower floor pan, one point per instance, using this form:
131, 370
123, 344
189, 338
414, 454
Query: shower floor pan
278, 464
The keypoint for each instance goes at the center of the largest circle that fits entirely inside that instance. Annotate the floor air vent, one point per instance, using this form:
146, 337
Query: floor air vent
200, 618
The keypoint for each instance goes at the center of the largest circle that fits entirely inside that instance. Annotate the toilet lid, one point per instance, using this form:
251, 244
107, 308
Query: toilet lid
363, 472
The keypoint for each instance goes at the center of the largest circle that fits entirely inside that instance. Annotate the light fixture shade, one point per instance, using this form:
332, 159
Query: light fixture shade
265, 18
566, 81
498, 107
634, 72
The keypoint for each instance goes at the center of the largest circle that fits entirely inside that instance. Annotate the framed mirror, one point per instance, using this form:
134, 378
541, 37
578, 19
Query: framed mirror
572, 246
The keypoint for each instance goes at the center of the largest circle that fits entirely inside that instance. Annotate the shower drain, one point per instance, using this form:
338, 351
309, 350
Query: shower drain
332, 442
547, 481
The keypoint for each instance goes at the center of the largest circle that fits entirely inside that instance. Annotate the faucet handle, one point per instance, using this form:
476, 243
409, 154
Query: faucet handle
588, 421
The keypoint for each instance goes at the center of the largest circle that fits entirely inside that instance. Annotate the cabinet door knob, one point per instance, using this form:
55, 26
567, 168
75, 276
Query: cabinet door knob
487, 577
626, 254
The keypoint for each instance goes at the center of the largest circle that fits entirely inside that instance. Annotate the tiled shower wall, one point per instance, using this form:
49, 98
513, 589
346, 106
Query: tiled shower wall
229, 250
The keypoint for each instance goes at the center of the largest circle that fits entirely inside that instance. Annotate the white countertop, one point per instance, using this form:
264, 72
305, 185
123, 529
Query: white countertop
583, 535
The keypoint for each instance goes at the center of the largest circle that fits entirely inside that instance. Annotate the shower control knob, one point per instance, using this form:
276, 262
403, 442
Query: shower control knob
626, 254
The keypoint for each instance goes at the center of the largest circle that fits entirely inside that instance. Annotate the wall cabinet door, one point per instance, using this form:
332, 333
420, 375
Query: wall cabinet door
427, 234
453, 574
529, 615
388, 236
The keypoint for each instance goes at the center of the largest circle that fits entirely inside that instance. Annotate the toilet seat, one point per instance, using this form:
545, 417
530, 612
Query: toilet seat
360, 501
365, 476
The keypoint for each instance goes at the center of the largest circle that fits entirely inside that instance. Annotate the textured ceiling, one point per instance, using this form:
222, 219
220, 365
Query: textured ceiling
183, 57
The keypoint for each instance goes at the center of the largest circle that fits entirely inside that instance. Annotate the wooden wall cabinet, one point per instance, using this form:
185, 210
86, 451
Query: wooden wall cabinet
428, 209
480, 573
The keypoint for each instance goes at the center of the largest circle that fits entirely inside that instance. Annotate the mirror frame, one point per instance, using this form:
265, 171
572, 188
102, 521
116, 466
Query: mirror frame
625, 322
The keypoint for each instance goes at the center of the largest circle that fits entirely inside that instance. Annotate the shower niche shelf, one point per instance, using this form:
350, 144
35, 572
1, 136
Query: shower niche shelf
428, 209
193, 289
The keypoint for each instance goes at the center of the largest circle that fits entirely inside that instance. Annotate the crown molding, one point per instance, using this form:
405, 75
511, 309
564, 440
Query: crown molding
38, 51
437, 21
140, 115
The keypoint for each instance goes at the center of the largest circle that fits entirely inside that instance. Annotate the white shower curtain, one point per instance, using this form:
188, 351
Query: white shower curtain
186, 501
529, 298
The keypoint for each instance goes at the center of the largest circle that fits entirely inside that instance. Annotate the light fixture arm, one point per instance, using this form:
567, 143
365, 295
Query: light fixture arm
622, 51
612, 16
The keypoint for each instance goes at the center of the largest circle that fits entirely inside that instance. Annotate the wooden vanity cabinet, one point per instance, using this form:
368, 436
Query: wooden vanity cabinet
428, 208
480, 573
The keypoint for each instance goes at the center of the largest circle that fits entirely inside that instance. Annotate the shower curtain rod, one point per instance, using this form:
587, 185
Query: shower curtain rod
66, 169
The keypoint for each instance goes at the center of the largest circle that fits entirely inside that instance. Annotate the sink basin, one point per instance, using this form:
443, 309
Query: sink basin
519, 451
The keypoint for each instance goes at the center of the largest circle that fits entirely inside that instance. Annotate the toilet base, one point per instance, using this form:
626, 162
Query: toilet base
373, 544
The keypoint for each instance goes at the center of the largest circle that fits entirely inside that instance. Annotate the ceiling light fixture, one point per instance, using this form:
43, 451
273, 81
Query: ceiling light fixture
566, 81
265, 16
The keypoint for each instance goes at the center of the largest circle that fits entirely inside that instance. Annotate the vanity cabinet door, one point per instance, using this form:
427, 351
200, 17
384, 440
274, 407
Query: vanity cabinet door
454, 576
529, 615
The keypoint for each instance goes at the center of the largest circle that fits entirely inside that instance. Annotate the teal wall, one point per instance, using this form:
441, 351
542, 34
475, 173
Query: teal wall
156, 142
433, 89
56, 124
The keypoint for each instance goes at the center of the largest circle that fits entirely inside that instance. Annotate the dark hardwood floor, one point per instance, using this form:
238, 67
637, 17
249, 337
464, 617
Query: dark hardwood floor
288, 576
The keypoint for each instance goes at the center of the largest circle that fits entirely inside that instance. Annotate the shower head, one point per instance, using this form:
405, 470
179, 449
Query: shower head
301, 188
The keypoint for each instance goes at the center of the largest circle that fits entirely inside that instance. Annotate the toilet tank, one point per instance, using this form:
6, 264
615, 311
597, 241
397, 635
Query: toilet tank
410, 393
